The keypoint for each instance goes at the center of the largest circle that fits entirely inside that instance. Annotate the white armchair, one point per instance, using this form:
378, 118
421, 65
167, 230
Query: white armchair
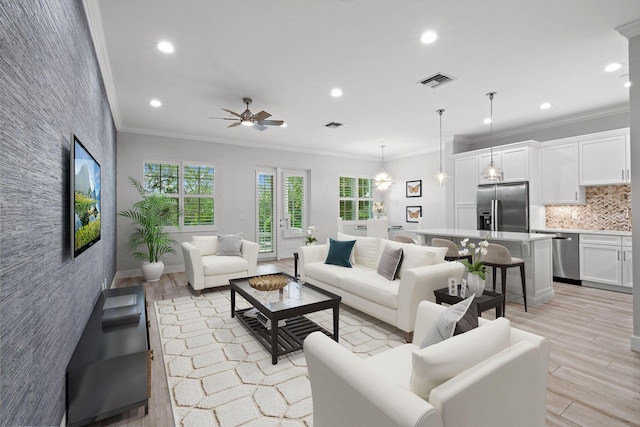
503, 390
204, 268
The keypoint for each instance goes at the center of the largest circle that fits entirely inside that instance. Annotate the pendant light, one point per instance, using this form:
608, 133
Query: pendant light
492, 173
441, 175
382, 181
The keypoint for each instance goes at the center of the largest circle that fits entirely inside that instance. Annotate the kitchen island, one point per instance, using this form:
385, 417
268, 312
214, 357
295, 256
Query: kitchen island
534, 248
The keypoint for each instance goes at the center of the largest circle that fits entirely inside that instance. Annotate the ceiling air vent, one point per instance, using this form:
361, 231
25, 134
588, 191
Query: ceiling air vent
436, 80
333, 125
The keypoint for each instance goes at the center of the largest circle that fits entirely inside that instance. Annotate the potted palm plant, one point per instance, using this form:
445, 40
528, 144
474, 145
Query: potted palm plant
149, 218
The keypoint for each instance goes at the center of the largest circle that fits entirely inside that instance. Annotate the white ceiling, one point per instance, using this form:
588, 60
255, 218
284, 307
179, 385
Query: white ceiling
288, 54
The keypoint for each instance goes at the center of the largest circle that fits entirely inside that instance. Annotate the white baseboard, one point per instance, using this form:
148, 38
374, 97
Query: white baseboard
138, 272
635, 343
63, 423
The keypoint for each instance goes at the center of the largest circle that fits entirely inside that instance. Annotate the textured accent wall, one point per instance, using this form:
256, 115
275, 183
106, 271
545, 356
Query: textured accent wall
50, 86
607, 207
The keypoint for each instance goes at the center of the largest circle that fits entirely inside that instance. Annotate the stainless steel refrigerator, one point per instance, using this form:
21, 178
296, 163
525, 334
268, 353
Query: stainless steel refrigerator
503, 207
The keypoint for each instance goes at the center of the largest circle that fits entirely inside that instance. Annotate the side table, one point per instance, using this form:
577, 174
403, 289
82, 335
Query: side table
487, 301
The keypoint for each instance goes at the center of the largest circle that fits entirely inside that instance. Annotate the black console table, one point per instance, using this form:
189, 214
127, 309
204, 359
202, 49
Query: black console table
109, 373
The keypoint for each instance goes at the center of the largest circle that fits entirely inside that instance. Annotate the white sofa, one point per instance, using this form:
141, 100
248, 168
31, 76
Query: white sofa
205, 269
422, 270
506, 389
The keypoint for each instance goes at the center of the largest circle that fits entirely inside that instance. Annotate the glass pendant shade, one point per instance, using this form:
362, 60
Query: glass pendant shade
382, 181
441, 175
492, 172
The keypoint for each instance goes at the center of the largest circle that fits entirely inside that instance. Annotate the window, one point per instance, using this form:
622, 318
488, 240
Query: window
295, 202
190, 184
356, 198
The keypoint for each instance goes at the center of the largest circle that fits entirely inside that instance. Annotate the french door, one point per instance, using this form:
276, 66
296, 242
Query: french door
282, 210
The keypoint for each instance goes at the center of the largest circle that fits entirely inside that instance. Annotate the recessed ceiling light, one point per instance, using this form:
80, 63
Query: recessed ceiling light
486, 121
627, 84
165, 47
613, 67
155, 103
545, 106
428, 37
336, 93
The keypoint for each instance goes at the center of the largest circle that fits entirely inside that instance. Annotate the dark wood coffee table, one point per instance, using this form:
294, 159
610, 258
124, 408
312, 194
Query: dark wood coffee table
289, 304
487, 301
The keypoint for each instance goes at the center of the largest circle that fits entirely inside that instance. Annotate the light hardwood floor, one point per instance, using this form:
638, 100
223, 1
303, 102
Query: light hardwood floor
594, 378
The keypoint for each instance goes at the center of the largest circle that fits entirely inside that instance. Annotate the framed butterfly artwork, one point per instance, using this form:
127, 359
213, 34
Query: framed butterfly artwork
414, 213
414, 188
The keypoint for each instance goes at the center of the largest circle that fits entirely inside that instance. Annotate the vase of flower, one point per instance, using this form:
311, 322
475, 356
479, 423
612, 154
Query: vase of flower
309, 238
476, 268
378, 209
476, 284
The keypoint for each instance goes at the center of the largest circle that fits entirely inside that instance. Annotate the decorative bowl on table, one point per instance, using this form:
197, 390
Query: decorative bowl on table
271, 282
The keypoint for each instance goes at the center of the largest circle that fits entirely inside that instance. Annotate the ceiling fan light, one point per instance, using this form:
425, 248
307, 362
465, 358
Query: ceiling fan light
246, 122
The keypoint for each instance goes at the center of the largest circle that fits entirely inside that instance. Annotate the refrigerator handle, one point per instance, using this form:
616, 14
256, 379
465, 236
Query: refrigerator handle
494, 215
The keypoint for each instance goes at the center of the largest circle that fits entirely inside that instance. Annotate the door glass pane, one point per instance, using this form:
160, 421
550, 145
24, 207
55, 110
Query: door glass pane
295, 203
265, 212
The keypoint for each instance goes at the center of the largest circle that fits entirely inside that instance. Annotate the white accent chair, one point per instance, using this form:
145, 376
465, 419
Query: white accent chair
205, 269
503, 390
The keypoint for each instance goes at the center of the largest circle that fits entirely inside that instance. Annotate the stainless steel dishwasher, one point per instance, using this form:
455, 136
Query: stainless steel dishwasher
566, 257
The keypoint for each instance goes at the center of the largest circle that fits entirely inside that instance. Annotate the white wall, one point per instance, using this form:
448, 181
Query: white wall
234, 187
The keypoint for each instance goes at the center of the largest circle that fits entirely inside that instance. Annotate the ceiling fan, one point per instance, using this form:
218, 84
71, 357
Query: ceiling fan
247, 118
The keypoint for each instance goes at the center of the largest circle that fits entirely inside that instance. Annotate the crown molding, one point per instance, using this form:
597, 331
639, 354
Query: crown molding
629, 30
94, 21
245, 144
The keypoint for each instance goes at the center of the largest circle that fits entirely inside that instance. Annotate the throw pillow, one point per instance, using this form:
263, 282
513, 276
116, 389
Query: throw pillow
230, 245
207, 245
458, 318
389, 262
439, 363
339, 252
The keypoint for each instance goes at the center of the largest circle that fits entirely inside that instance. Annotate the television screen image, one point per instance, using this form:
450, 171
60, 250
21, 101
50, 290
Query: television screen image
85, 182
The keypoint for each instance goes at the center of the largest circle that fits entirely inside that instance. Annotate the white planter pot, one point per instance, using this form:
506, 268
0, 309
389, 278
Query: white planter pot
152, 271
476, 284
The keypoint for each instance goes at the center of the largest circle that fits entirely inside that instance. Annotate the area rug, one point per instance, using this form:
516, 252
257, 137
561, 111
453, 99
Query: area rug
220, 375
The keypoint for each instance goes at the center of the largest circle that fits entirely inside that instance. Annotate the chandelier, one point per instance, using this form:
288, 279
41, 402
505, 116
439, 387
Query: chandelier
382, 181
492, 172
441, 175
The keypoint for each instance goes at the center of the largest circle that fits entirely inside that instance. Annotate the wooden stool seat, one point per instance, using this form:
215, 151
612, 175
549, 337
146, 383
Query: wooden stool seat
498, 256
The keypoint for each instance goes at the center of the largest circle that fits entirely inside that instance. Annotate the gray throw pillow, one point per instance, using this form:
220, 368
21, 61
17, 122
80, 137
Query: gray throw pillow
457, 319
389, 262
230, 244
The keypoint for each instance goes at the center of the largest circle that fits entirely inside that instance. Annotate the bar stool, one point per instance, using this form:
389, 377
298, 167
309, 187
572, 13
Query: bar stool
404, 239
452, 250
498, 256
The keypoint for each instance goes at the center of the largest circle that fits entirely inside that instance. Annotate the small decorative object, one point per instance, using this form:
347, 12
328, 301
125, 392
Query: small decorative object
453, 287
477, 269
414, 188
414, 213
463, 289
272, 282
378, 209
309, 238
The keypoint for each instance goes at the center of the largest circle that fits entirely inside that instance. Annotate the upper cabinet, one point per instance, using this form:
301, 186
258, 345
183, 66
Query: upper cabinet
605, 161
516, 162
560, 175
465, 179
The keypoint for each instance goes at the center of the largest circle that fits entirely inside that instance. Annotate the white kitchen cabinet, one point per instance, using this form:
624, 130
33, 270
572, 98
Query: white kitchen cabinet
604, 161
515, 164
560, 175
465, 180
466, 217
604, 259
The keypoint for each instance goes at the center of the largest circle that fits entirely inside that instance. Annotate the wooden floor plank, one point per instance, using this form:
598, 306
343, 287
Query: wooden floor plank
594, 377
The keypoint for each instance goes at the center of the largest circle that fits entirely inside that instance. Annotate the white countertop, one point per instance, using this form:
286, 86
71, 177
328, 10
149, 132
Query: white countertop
581, 231
504, 236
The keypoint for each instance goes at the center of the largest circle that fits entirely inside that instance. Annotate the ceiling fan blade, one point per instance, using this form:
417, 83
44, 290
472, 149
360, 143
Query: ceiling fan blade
259, 127
271, 122
261, 116
231, 112
232, 125
222, 118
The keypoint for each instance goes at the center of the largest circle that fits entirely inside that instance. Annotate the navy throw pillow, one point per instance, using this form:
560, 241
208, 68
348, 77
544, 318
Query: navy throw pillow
340, 252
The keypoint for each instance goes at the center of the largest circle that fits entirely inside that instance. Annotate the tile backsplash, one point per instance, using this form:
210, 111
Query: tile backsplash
607, 207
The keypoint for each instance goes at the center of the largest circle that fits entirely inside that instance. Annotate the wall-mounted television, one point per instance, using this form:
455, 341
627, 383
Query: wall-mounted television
85, 196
